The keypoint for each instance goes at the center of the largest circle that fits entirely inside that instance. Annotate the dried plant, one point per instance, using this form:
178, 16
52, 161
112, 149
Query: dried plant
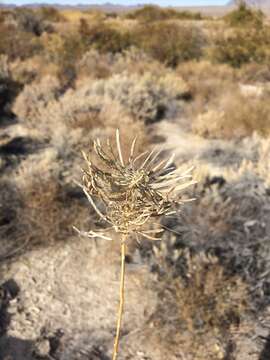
197, 295
132, 192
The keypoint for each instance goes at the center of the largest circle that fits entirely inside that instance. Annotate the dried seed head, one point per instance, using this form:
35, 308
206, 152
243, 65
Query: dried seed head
135, 191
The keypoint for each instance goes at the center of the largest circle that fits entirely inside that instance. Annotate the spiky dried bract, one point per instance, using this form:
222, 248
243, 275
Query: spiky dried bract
133, 190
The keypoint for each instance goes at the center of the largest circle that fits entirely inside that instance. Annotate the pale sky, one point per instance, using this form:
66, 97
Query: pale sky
122, 2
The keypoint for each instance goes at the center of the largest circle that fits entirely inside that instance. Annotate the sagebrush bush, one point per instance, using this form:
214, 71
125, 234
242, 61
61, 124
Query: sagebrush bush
145, 97
95, 65
103, 37
241, 46
71, 124
235, 115
206, 84
32, 69
132, 61
135, 60
199, 305
17, 44
245, 16
254, 73
34, 98
234, 192
170, 43
44, 214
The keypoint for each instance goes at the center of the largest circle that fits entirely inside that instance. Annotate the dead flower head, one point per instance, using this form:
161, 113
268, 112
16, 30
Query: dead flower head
134, 191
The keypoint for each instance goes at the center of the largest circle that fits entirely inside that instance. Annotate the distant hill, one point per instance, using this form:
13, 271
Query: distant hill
107, 7
116, 8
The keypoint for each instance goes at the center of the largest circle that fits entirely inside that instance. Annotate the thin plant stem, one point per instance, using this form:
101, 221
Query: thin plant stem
122, 298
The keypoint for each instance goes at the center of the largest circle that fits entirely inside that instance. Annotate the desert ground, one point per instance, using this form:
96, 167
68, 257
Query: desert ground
183, 83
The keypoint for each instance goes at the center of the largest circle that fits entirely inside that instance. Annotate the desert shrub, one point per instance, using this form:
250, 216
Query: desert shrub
34, 98
112, 15
63, 51
145, 97
241, 46
109, 117
170, 43
235, 115
96, 65
199, 305
245, 16
26, 71
71, 51
150, 13
53, 45
50, 13
46, 211
132, 61
135, 60
206, 83
254, 73
73, 121
17, 44
234, 192
186, 15
29, 21
103, 37
148, 98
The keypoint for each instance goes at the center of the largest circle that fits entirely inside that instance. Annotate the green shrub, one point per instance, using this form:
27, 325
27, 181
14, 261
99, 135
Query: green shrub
151, 13
30, 21
186, 15
148, 13
242, 46
104, 38
170, 43
50, 13
244, 16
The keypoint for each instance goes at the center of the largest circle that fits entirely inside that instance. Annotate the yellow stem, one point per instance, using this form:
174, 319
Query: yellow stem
122, 298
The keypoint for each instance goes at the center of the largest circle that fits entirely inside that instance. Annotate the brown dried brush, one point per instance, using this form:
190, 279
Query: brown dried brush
133, 192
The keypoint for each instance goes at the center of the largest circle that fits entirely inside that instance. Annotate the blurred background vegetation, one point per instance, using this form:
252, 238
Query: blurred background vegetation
193, 84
